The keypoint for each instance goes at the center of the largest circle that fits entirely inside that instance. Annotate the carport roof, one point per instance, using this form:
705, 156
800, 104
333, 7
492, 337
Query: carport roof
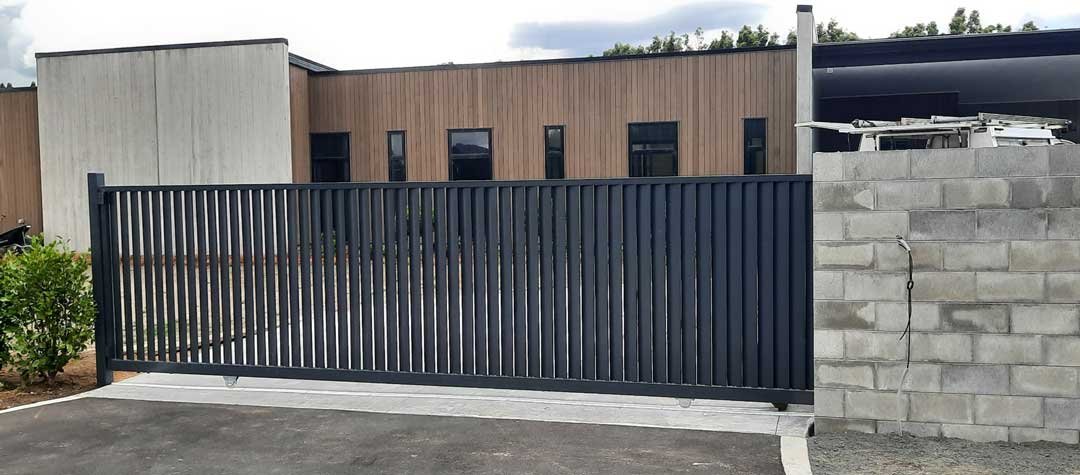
941, 48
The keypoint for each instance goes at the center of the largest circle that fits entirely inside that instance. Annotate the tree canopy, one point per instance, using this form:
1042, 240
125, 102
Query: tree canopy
962, 23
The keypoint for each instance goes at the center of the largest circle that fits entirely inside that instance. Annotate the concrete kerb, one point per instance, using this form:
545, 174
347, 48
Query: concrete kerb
724, 416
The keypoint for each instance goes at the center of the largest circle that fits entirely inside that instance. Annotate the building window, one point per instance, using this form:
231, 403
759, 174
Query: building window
654, 149
554, 164
330, 157
395, 146
754, 147
470, 154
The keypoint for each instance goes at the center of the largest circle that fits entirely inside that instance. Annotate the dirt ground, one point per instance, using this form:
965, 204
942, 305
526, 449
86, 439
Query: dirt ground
879, 454
78, 376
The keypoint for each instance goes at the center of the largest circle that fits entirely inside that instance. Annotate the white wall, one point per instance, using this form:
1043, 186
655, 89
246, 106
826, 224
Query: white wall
200, 115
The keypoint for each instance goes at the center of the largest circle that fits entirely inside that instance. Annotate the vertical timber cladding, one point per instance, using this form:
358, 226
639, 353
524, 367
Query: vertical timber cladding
200, 113
707, 94
682, 287
20, 169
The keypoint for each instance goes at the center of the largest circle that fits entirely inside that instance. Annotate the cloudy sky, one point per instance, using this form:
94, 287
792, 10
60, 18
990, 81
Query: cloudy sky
367, 34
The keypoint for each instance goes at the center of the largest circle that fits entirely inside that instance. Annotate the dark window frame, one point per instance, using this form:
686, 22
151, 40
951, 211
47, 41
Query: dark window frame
450, 154
630, 146
764, 145
562, 152
404, 155
347, 157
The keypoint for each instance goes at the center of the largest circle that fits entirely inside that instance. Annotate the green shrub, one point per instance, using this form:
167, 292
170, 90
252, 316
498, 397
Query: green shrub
47, 303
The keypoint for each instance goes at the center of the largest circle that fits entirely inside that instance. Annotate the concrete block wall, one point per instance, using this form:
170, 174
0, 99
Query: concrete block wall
995, 343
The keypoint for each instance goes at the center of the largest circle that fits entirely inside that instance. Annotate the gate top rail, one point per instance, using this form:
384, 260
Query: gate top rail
679, 180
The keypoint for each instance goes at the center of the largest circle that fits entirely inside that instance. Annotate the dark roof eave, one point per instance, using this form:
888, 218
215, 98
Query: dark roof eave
313, 66
942, 48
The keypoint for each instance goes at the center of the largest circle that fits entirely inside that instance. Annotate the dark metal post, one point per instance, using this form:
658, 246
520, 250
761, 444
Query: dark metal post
102, 345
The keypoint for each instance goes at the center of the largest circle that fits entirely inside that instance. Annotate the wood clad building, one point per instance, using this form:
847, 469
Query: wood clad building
20, 170
709, 96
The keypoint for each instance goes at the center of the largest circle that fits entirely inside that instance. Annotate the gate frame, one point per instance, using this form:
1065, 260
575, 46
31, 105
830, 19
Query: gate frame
107, 294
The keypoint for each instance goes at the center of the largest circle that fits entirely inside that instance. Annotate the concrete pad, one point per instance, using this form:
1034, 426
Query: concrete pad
641, 411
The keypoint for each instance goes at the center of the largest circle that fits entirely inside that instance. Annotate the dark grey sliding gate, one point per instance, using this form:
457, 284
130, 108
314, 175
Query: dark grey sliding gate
683, 287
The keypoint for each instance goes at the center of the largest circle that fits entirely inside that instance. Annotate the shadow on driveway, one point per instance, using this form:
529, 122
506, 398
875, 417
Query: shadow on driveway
126, 436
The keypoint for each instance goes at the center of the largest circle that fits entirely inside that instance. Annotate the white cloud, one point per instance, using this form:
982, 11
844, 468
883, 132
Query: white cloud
348, 34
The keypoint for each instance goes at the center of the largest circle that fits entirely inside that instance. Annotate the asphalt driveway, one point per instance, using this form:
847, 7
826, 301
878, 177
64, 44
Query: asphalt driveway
110, 436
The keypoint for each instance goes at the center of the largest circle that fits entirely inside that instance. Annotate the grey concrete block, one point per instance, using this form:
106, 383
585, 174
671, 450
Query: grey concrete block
843, 255
828, 402
843, 374
1062, 413
865, 345
951, 408
942, 163
975, 433
920, 377
827, 425
828, 167
917, 429
1010, 287
892, 316
828, 226
1056, 192
942, 347
1011, 224
1044, 256
1063, 223
976, 255
943, 225
884, 165
908, 195
1046, 319
843, 196
843, 315
975, 379
1065, 160
1017, 411
828, 344
875, 225
944, 286
1063, 288
875, 405
1012, 161
828, 284
1008, 349
859, 285
1031, 434
980, 318
1043, 381
1062, 350
976, 193
925, 256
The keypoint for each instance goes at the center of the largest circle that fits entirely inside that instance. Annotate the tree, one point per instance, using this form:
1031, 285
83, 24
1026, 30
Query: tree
622, 49
830, 32
669, 44
725, 41
962, 23
750, 38
958, 24
918, 29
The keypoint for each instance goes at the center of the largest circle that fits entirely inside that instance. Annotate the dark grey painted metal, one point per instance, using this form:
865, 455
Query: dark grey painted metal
686, 287
506, 280
103, 339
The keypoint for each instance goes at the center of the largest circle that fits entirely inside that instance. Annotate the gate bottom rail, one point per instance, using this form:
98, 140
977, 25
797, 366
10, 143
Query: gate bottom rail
633, 388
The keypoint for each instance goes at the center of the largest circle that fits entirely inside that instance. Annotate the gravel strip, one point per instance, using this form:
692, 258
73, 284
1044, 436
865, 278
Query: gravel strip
893, 454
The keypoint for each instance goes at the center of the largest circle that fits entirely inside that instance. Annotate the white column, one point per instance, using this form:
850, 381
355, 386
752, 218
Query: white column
804, 87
